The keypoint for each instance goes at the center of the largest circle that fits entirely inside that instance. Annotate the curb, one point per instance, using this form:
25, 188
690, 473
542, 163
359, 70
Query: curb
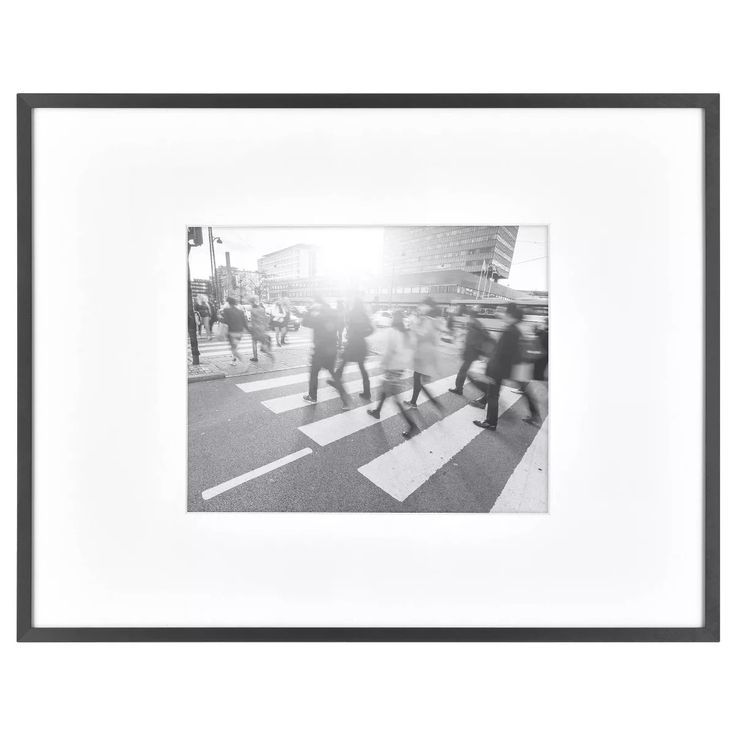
197, 378
205, 377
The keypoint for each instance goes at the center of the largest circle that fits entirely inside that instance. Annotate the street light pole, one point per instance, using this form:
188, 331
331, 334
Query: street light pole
192, 323
213, 268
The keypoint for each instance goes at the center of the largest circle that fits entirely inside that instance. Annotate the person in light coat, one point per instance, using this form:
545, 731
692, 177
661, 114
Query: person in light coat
394, 363
426, 334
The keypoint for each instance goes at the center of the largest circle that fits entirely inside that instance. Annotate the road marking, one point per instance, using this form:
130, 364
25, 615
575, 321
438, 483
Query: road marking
250, 475
215, 350
295, 401
526, 490
334, 428
401, 470
268, 383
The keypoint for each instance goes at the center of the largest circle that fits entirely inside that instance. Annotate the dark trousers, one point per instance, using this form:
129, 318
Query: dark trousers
363, 374
462, 374
404, 413
492, 391
326, 361
419, 386
540, 368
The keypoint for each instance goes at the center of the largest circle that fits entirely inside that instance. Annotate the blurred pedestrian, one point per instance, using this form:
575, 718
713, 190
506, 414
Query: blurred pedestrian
540, 365
280, 321
205, 316
359, 327
340, 322
426, 336
321, 318
258, 327
394, 362
506, 355
236, 326
476, 341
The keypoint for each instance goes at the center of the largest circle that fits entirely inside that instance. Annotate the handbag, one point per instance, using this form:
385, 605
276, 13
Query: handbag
220, 330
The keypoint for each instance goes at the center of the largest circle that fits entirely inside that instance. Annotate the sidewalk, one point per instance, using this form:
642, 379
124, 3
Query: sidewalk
296, 354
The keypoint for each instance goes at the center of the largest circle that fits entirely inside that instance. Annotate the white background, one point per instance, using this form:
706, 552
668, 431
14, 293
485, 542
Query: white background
364, 688
622, 544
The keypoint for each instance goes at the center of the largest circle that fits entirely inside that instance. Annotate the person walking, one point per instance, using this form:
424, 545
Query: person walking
506, 355
427, 340
395, 361
540, 364
323, 321
236, 326
258, 330
476, 341
359, 327
340, 323
450, 323
280, 322
205, 315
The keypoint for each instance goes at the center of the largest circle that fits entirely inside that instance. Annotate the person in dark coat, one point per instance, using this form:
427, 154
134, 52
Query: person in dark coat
323, 321
359, 327
476, 339
540, 364
506, 355
234, 318
258, 330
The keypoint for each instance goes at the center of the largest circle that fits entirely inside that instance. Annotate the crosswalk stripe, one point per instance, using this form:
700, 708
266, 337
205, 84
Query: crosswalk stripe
404, 468
295, 401
250, 475
334, 428
526, 489
269, 383
221, 348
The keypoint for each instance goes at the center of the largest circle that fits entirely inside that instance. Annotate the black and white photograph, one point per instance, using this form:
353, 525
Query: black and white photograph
368, 369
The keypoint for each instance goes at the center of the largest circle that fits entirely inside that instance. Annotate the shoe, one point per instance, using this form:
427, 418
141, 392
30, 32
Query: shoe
233, 362
309, 398
346, 407
457, 391
407, 433
375, 414
534, 421
367, 397
484, 425
478, 404
410, 405
254, 360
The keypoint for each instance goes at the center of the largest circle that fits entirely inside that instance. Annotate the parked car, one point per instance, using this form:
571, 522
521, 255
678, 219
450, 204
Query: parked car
382, 319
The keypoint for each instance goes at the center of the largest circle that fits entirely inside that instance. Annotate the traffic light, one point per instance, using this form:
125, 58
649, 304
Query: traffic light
194, 236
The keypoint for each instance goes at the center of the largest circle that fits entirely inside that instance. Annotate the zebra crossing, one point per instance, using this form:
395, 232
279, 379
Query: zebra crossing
402, 469
220, 349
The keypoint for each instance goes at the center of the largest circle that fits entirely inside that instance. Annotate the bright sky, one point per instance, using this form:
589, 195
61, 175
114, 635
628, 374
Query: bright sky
341, 249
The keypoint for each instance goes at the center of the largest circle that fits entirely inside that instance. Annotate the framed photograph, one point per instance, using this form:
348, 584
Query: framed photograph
368, 367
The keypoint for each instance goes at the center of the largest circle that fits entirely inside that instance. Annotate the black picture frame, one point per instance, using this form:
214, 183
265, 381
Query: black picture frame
708, 103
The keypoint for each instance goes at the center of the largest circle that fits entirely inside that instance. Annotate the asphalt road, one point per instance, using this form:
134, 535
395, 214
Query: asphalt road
347, 462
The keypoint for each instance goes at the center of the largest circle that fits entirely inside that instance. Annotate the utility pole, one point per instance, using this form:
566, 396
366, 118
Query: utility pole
213, 268
228, 272
194, 239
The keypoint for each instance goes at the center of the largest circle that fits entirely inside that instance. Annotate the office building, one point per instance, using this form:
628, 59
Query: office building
463, 248
294, 262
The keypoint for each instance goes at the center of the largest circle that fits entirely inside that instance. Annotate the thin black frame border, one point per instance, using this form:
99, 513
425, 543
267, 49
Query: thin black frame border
708, 103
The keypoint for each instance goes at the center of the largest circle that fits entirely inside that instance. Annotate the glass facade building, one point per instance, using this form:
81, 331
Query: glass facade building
464, 248
294, 262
